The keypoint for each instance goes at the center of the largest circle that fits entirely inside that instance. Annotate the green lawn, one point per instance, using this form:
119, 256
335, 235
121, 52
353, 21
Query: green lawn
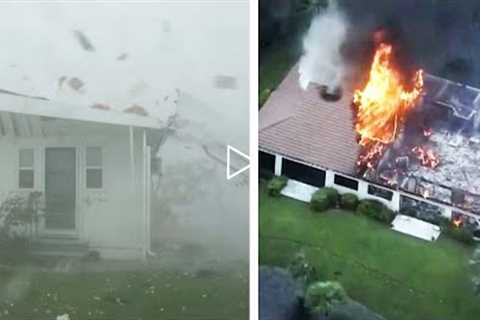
123, 295
398, 276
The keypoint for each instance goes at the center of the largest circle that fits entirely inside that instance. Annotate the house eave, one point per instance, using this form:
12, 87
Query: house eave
54, 109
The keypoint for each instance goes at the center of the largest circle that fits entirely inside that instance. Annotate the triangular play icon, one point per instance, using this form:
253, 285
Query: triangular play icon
232, 171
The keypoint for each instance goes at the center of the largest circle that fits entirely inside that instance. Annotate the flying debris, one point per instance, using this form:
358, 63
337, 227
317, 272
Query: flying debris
123, 56
83, 40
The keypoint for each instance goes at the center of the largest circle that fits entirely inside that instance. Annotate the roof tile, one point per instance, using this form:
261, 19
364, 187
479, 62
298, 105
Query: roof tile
301, 125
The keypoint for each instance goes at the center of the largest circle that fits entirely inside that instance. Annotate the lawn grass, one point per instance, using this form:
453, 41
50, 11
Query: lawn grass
123, 295
398, 276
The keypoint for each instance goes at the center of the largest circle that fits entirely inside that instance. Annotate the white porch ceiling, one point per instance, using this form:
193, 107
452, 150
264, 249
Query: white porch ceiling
20, 125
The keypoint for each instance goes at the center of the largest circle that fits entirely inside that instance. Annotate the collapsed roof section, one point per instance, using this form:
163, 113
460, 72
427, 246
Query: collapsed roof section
463, 100
444, 128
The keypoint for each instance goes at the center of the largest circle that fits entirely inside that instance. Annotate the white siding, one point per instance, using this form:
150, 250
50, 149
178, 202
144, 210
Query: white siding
111, 219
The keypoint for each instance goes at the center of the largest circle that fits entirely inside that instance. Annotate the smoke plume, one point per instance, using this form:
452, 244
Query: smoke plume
322, 62
441, 37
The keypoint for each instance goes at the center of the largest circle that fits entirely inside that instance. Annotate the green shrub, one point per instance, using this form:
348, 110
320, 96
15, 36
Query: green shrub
443, 222
319, 201
332, 194
369, 208
276, 185
461, 234
348, 201
375, 210
13, 249
263, 96
386, 215
301, 269
324, 199
321, 297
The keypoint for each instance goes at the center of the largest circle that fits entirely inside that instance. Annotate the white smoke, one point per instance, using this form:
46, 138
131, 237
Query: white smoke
322, 62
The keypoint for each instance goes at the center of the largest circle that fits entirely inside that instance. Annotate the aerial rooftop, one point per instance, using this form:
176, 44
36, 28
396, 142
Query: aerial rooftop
301, 125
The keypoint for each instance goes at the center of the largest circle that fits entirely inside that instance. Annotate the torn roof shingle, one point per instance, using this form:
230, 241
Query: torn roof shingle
301, 125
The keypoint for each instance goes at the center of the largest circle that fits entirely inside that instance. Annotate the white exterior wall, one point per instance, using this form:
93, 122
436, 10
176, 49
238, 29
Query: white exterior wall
362, 192
278, 165
111, 220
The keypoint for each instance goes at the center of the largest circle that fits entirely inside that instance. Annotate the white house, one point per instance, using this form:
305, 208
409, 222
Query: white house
94, 61
312, 142
91, 164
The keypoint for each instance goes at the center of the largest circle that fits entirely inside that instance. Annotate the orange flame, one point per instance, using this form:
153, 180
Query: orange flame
426, 157
382, 105
457, 222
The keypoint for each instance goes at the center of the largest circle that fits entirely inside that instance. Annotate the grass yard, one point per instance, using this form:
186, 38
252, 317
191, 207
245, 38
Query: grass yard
123, 295
398, 276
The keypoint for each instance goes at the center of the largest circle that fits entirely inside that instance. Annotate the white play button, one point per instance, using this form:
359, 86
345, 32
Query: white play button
233, 171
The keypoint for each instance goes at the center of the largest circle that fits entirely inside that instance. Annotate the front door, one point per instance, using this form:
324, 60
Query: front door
60, 189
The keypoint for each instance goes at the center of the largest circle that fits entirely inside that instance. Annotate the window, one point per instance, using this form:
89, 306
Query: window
94, 169
303, 173
380, 192
26, 171
266, 164
345, 182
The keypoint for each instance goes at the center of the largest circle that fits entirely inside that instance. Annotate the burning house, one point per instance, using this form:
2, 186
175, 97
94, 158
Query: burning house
411, 142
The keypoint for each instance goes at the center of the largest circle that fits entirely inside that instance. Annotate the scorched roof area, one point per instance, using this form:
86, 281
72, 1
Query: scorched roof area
438, 151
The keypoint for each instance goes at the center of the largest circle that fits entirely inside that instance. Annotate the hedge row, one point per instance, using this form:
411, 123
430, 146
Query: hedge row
375, 210
348, 201
328, 198
324, 199
462, 234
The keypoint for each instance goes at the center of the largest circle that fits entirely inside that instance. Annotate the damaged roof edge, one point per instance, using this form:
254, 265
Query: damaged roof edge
48, 108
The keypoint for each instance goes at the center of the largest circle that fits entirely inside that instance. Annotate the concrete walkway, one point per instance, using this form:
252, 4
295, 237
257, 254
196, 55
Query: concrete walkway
298, 190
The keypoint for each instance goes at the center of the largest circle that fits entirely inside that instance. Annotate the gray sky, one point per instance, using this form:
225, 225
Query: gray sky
167, 46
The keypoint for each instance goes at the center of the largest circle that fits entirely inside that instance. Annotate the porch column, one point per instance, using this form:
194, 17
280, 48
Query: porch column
278, 165
145, 200
395, 202
362, 189
132, 157
329, 178
447, 212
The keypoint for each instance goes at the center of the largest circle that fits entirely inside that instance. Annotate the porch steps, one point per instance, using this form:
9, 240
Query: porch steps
59, 247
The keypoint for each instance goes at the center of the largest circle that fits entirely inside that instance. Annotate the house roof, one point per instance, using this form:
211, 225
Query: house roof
299, 124
36, 106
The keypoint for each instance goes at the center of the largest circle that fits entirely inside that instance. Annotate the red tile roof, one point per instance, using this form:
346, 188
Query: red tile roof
299, 124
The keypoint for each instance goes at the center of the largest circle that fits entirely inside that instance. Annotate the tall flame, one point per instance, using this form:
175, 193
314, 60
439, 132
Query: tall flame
382, 105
